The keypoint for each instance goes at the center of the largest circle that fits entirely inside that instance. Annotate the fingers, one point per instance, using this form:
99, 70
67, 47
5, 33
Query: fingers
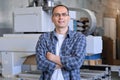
49, 56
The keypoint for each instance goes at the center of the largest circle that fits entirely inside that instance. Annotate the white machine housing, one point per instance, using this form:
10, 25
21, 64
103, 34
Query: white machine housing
94, 44
14, 49
32, 19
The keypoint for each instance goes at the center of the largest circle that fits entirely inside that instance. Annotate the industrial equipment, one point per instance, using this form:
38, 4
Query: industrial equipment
15, 48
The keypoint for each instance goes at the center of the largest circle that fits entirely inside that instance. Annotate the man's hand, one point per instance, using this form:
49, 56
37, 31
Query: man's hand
53, 58
50, 56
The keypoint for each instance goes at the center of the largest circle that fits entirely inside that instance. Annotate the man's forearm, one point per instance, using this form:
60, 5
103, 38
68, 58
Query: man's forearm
54, 58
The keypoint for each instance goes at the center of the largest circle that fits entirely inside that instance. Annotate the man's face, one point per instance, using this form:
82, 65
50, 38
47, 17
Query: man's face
60, 17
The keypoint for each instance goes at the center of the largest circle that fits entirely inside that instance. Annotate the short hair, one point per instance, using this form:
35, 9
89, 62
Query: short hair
58, 6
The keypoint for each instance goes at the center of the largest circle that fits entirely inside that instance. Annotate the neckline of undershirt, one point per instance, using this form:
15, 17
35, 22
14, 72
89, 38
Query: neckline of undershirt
59, 36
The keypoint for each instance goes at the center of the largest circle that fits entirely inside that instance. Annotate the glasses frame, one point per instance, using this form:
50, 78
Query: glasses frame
60, 14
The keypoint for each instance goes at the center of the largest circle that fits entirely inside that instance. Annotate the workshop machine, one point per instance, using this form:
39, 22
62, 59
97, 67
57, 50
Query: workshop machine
29, 24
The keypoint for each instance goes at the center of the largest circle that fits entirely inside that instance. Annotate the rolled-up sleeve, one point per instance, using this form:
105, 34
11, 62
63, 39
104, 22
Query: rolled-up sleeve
76, 58
42, 63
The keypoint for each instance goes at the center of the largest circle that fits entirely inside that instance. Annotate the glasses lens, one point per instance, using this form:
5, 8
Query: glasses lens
58, 14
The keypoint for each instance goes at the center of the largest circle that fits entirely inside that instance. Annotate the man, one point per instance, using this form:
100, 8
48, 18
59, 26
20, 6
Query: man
60, 53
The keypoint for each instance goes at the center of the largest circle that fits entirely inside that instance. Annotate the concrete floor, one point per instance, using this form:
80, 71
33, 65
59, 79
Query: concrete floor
114, 76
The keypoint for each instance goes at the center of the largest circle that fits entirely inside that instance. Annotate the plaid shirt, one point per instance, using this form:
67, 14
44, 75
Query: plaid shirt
72, 54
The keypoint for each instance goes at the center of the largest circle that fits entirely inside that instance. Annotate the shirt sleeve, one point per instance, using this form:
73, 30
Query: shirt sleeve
75, 60
42, 63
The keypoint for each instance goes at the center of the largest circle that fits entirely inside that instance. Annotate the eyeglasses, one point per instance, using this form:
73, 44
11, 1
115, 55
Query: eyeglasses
62, 14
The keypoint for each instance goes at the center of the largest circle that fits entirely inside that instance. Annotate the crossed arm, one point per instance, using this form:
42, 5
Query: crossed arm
54, 58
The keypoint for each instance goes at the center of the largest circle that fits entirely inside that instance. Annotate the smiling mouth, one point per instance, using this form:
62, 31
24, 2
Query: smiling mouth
61, 21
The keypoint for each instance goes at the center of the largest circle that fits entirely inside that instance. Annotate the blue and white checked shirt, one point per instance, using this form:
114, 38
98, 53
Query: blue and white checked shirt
72, 54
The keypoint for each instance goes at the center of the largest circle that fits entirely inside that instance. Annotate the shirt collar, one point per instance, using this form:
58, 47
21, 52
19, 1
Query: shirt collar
69, 33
